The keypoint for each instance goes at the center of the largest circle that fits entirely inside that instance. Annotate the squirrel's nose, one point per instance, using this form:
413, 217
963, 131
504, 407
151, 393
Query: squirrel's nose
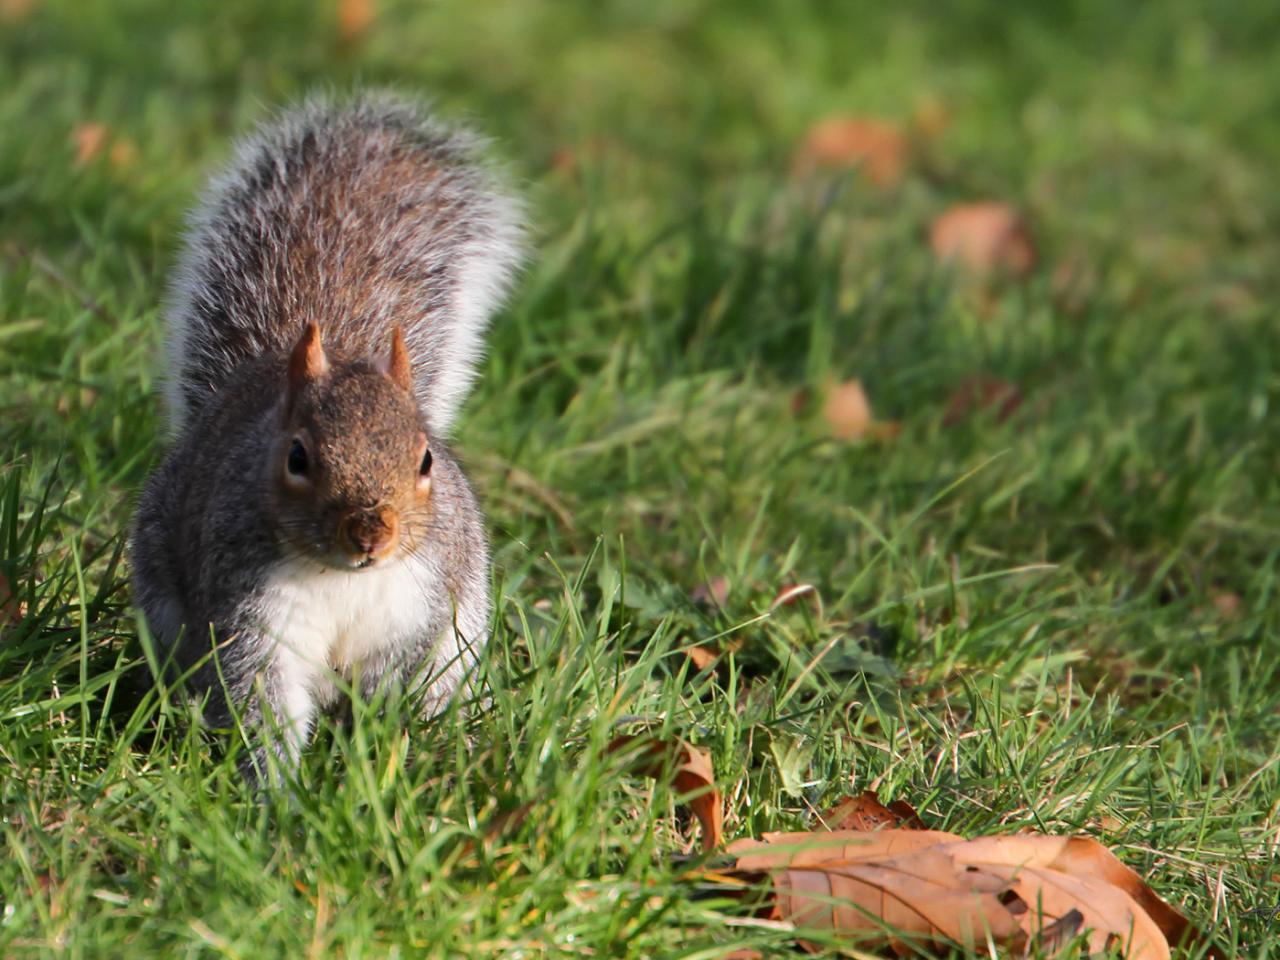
369, 533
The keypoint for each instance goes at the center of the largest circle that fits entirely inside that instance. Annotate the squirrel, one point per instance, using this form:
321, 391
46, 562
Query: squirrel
309, 530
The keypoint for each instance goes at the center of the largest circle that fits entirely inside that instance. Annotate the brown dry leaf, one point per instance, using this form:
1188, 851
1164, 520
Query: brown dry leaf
691, 774
712, 593
876, 148
938, 887
924, 877
11, 11
981, 392
866, 812
354, 18
704, 658
89, 139
848, 411
984, 238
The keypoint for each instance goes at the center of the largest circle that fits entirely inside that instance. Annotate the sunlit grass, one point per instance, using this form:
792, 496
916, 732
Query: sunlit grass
1065, 620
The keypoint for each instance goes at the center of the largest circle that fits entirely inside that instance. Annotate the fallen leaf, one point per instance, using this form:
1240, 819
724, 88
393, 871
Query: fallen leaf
11, 11
980, 393
89, 139
704, 658
866, 812
848, 414
940, 888
354, 18
877, 149
712, 593
690, 772
984, 238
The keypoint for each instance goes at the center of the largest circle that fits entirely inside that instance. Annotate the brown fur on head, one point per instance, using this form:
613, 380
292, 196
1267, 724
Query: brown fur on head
353, 466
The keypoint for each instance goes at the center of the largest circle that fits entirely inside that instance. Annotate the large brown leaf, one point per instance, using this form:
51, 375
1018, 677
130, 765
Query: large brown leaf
935, 887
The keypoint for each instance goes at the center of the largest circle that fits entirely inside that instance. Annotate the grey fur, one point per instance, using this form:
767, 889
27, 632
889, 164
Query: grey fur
357, 216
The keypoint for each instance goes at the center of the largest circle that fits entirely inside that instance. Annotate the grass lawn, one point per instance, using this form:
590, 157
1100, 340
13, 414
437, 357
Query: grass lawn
1065, 619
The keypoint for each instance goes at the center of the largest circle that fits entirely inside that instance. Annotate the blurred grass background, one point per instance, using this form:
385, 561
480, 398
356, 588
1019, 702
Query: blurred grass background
1062, 619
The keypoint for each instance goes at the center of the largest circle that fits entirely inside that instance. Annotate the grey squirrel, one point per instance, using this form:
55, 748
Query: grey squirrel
309, 526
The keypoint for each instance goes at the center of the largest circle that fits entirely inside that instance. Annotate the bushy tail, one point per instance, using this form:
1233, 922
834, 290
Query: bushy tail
356, 214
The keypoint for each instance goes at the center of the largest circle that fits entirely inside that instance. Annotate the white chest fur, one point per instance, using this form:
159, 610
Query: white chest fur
330, 621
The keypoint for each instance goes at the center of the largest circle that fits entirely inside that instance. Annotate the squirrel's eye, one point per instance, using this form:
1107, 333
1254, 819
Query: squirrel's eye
297, 462
424, 468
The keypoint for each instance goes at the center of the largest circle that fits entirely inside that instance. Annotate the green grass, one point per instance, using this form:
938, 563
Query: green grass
1023, 622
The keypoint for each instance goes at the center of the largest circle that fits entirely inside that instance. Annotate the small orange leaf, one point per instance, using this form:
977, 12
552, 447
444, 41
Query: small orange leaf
714, 592
704, 658
89, 139
984, 238
866, 812
848, 411
354, 18
691, 774
11, 11
876, 148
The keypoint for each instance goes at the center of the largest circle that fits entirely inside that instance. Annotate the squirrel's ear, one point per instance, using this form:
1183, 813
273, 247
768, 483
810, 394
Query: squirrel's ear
307, 362
396, 366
